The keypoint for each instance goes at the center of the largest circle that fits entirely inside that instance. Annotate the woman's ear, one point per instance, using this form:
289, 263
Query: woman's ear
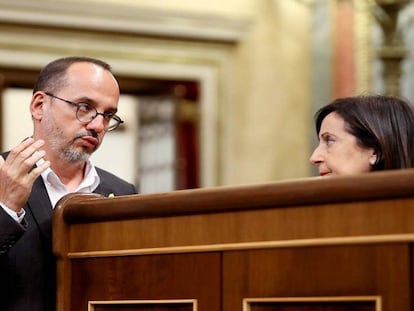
373, 159
36, 105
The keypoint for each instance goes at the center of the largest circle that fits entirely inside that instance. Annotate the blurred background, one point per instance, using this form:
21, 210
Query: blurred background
215, 92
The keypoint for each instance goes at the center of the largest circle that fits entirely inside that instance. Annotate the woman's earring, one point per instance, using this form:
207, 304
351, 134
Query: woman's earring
372, 161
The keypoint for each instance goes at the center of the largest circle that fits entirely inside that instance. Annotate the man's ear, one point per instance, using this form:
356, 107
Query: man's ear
36, 105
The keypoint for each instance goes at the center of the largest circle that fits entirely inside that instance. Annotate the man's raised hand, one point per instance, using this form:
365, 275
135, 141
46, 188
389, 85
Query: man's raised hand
16, 173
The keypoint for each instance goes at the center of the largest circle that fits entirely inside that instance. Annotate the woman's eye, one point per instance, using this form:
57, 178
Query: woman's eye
329, 140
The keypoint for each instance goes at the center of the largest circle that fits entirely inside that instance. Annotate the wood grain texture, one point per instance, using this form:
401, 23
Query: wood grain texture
323, 237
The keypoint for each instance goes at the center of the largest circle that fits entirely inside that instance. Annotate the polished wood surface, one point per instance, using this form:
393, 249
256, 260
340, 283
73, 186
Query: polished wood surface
346, 237
307, 191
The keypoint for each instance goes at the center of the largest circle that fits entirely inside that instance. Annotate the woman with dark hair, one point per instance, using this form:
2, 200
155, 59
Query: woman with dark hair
364, 133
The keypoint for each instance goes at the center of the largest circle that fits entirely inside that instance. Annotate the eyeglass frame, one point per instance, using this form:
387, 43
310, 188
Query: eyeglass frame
105, 115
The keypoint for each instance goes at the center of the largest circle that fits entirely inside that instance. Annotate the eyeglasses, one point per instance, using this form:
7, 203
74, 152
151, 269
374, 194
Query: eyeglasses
85, 113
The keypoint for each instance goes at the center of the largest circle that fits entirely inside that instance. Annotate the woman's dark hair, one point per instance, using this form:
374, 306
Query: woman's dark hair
383, 123
53, 75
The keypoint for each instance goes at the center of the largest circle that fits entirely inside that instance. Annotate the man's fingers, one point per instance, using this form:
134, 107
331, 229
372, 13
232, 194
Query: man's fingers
18, 172
24, 150
34, 157
20, 147
38, 170
31, 149
22, 159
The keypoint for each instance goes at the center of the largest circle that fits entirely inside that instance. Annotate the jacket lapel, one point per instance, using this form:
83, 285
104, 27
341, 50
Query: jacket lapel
40, 208
103, 189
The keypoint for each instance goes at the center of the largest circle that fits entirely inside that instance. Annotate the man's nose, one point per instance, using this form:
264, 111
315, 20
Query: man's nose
97, 124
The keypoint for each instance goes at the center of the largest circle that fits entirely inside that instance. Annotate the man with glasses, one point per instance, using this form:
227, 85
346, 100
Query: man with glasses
74, 104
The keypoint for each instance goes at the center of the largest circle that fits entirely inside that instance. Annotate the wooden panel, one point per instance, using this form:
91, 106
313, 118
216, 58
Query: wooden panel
315, 306
332, 237
278, 224
340, 303
144, 305
301, 209
380, 270
139, 307
157, 277
384, 185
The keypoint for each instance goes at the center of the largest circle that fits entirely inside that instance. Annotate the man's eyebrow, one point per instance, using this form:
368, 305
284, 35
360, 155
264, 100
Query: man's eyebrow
83, 99
90, 101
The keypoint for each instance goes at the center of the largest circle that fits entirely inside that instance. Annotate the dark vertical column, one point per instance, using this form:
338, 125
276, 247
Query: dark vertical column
392, 51
344, 50
2, 88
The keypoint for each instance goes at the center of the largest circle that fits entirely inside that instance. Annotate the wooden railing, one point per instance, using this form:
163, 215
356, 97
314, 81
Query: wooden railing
332, 243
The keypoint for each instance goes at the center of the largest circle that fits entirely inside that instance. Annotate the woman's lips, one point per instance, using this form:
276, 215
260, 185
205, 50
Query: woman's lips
323, 173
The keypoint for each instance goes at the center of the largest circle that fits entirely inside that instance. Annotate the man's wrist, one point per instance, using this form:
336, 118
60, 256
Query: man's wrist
20, 213
15, 215
8, 207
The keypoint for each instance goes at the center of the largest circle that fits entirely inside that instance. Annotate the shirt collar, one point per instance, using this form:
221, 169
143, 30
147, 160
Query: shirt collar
89, 183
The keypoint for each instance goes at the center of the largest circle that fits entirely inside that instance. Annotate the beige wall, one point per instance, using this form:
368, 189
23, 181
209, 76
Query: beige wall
272, 95
265, 115
270, 113
224, 7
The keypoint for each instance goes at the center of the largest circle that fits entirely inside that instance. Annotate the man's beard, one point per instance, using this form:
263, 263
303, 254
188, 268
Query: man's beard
70, 154
67, 151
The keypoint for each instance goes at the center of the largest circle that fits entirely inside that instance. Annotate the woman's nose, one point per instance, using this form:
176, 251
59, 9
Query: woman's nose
316, 157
